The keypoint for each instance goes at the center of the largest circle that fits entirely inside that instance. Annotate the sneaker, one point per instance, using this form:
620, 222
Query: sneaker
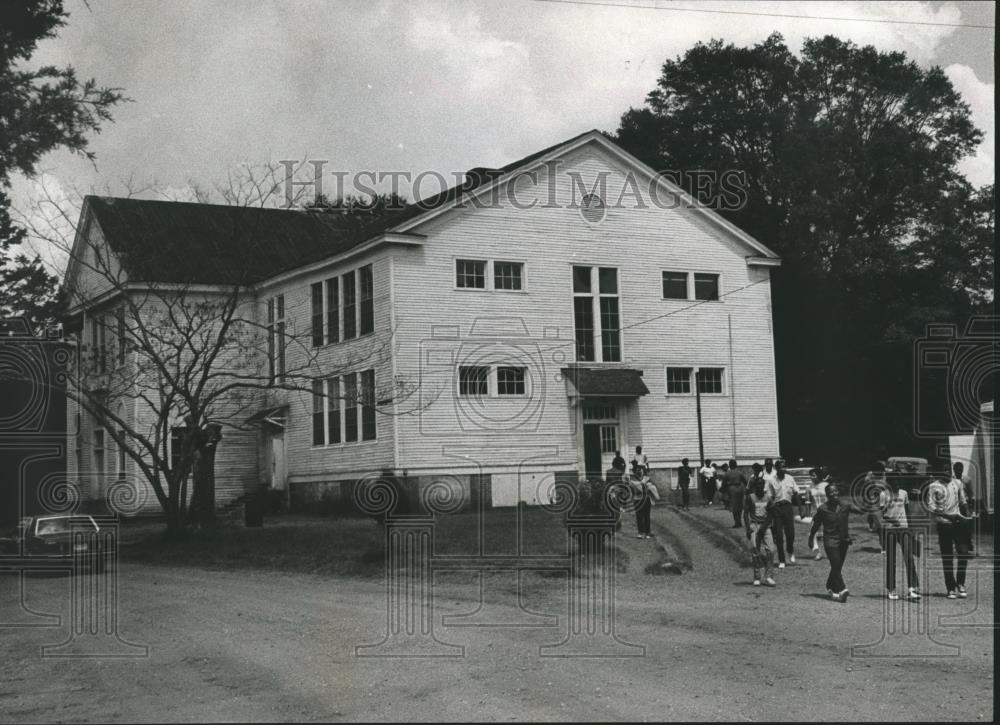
791, 559
961, 592
781, 565
951, 594
913, 594
756, 582
797, 517
818, 555
834, 596
638, 536
892, 595
770, 582
843, 595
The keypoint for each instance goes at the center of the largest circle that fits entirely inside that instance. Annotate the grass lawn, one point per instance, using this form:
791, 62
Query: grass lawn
340, 546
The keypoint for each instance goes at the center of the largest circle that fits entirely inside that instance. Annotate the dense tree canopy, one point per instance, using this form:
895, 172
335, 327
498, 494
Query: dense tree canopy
40, 110
850, 158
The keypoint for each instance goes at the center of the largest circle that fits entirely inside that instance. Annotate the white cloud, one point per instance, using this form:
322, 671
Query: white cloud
980, 168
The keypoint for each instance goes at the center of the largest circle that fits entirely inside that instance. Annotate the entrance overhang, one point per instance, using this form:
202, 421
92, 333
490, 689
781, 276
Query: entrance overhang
603, 383
273, 417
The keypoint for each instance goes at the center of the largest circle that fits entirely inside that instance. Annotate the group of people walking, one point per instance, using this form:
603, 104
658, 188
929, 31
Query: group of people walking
766, 505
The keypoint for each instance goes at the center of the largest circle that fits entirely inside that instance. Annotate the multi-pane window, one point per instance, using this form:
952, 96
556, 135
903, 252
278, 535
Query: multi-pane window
121, 455
350, 305
675, 285
470, 273
507, 275
120, 330
710, 381
609, 438
600, 412
706, 286
99, 453
333, 410
350, 408
318, 421
474, 380
333, 309
367, 400
346, 413
606, 315
99, 342
276, 338
367, 310
511, 380
316, 295
678, 381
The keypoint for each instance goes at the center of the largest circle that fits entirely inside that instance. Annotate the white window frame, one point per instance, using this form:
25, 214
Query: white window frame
490, 275
495, 374
340, 396
596, 295
691, 287
693, 378
666, 380
723, 380
687, 285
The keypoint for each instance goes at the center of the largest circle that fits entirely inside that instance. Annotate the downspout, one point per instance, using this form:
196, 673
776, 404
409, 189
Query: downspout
732, 383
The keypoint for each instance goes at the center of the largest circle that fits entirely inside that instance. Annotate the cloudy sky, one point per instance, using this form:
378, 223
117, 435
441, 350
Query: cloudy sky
431, 85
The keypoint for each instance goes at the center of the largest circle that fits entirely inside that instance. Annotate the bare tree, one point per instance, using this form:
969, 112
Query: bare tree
176, 360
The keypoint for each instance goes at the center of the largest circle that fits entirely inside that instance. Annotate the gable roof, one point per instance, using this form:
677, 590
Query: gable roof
192, 243
189, 243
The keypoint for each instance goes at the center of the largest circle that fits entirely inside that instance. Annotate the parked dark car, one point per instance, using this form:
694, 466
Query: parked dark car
56, 540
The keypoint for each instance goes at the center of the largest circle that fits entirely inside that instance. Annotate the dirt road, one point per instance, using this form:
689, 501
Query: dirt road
270, 646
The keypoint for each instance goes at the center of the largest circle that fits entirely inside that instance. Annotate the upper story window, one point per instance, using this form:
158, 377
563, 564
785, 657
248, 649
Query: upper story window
474, 380
596, 316
706, 286
120, 334
511, 380
343, 307
276, 338
344, 409
686, 286
487, 274
710, 381
678, 381
470, 273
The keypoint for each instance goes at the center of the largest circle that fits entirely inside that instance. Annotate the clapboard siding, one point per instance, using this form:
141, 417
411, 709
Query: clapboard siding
641, 243
370, 352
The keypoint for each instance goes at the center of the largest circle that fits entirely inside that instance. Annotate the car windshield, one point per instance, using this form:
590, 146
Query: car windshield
62, 524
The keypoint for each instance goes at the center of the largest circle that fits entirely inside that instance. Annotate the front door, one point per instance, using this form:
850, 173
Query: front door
592, 450
279, 474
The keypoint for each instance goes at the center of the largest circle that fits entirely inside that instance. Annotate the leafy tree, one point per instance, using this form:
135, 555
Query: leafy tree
850, 157
40, 110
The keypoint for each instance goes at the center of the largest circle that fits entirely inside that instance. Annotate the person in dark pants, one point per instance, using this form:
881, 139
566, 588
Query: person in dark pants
707, 475
736, 485
783, 492
642, 485
951, 513
895, 530
684, 473
833, 518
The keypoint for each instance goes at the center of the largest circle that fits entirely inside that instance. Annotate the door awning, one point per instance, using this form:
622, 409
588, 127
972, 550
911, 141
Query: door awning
604, 382
269, 416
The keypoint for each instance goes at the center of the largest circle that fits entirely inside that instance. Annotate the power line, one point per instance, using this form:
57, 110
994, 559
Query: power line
765, 15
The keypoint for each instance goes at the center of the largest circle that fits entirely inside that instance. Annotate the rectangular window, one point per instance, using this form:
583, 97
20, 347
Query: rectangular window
121, 455
510, 381
507, 275
319, 435
350, 408
611, 348
368, 405
120, 321
470, 273
333, 410
600, 412
607, 280
317, 314
350, 306
583, 320
675, 285
279, 336
176, 446
367, 323
609, 438
474, 380
270, 340
333, 310
710, 381
99, 453
581, 280
678, 381
706, 286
